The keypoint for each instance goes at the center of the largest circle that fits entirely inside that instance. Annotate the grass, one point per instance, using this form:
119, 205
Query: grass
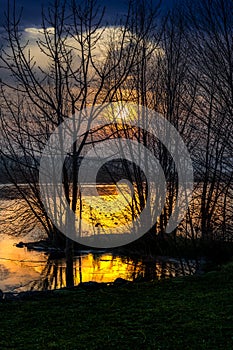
181, 313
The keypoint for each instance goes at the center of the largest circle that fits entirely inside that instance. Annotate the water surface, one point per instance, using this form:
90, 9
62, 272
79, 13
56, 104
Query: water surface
22, 269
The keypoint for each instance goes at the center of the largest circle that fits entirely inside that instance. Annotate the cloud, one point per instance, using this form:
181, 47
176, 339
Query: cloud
105, 40
38, 31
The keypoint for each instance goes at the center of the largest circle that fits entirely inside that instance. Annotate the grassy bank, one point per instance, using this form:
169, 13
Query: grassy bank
182, 313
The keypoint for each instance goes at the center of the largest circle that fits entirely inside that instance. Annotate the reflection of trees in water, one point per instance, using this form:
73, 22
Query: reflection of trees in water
51, 276
55, 274
156, 269
58, 274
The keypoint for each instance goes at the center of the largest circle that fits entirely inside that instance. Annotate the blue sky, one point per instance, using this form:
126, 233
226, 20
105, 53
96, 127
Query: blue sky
32, 9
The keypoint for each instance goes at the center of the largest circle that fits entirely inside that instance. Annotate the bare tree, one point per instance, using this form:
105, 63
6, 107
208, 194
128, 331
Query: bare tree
212, 72
77, 46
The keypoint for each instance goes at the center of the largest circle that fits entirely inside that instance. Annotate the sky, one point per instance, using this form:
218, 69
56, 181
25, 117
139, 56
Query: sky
30, 24
32, 9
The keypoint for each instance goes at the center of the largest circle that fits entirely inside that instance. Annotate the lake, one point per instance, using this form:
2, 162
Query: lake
22, 269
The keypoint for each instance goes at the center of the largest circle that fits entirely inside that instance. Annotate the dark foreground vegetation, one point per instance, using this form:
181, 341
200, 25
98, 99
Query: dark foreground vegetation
182, 313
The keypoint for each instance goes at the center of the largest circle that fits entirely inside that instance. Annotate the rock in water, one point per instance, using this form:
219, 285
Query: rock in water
20, 245
120, 281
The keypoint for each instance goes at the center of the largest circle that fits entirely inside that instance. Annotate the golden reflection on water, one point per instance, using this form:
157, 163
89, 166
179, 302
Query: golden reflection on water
111, 211
22, 270
106, 211
103, 268
101, 209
